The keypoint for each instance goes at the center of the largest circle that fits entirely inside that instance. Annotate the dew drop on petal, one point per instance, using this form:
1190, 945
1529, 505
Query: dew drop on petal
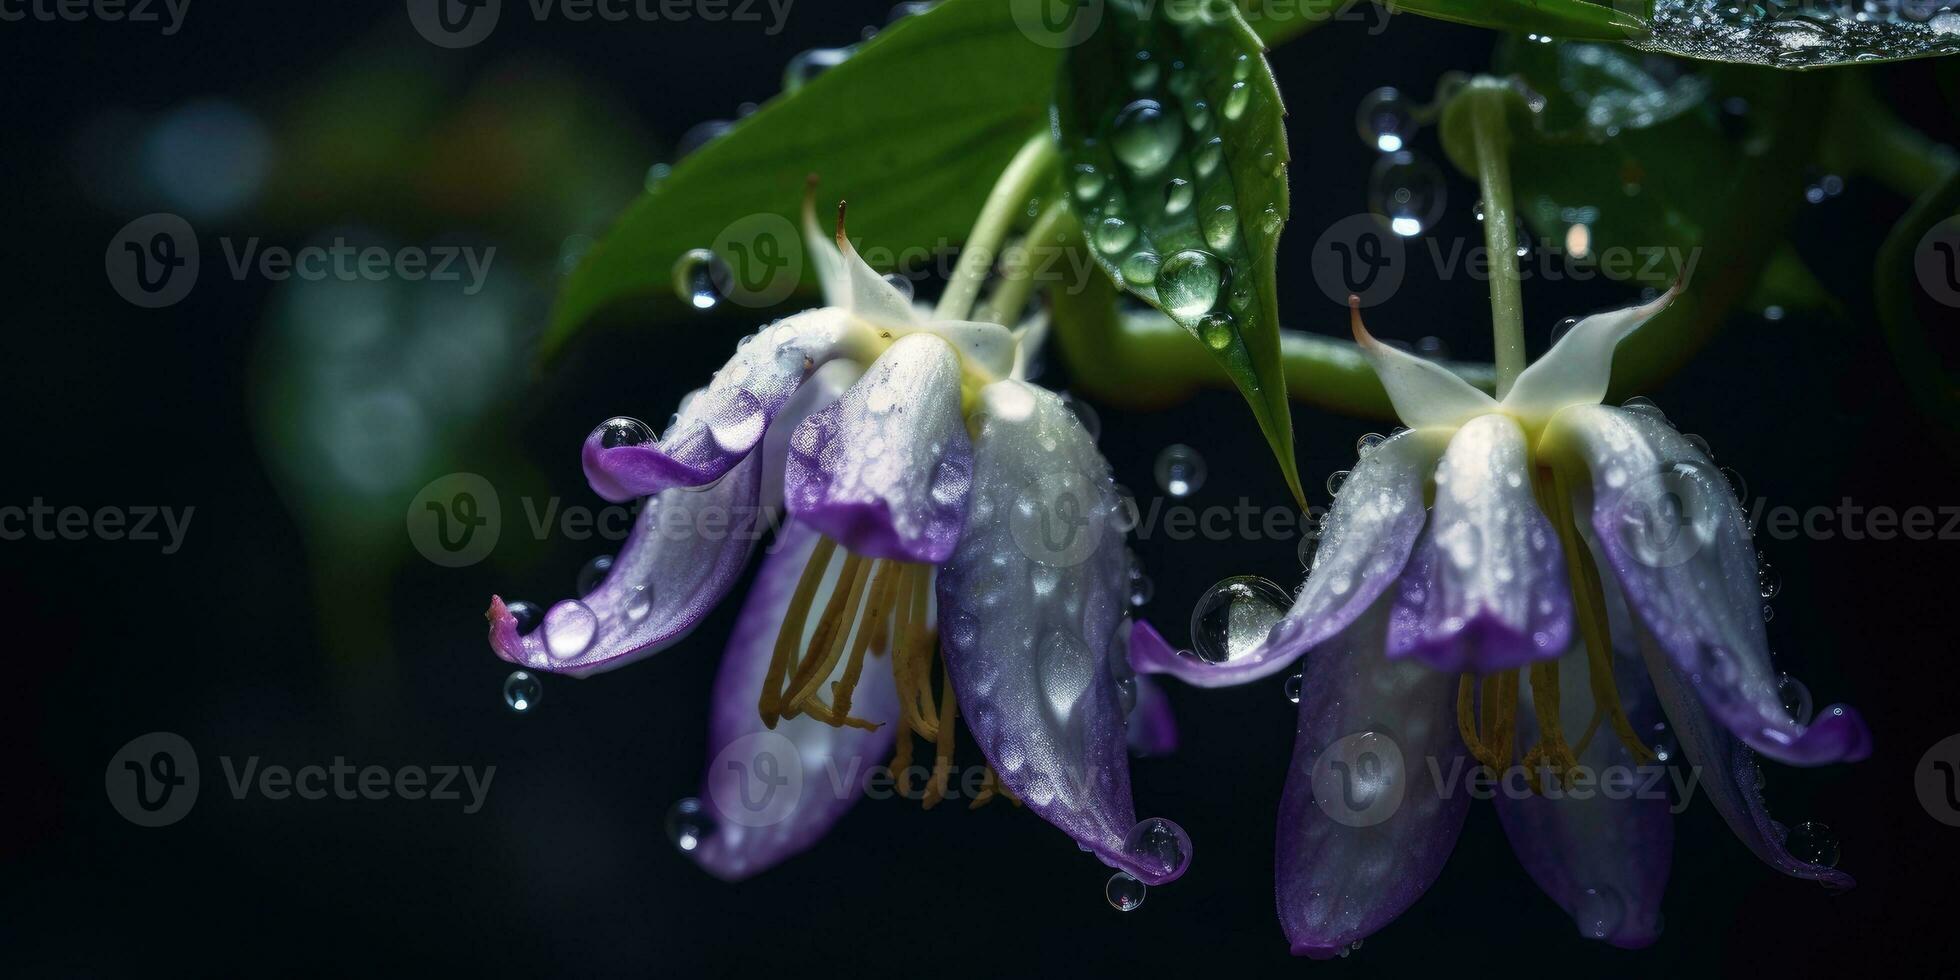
522, 690
1769, 581
1180, 470
1159, 843
1599, 912
527, 614
1293, 684
1124, 892
569, 628
1367, 443
1234, 616
688, 824
1190, 282
1796, 698
1141, 588
594, 574
1813, 842
900, 283
624, 430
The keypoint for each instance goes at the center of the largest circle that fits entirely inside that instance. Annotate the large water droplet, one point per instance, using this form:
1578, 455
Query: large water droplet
1221, 226
1180, 470
1334, 482
623, 430
1216, 330
569, 628
1124, 892
1177, 196
1813, 842
594, 574
522, 691
527, 614
1368, 443
689, 823
1089, 182
1145, 137
1141, 588
1189, 282
1385, 119
1140, 269
1114, 234
1237, 98
807, 65
697, 274
1796, 698
1408, 191
1235, 615
1159, 843
1563, 327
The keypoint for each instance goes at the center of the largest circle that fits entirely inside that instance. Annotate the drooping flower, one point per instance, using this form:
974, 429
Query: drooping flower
1482, 585
937, 506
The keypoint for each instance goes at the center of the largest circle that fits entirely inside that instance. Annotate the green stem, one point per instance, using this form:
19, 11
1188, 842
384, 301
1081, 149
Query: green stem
1491, 138
1017, 277
1866, 138
1010, 193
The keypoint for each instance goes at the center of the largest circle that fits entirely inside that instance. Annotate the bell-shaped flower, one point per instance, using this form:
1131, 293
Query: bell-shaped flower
1525, 584
937, 509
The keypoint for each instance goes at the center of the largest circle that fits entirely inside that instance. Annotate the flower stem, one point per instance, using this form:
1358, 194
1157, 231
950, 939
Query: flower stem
1491, 138
1010, 193
1017, 269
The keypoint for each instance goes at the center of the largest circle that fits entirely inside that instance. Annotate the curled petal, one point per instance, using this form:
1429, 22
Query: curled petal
1577, 368
719, 425
1031, 607
1425, 394
1728, 772
686, 550
1374, 797
886, 469
1602, 850
1365, 540
806, 774
1679, 546
1486, 589
1153, 728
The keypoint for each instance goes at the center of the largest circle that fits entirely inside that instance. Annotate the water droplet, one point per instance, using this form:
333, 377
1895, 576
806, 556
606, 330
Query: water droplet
1209, 156
1145, 137
1813, 842
1114, 234
1141, 588
1367, 443
1385, 119
807, 65
594, 574
697, 274
1140, 269
1145, 72
1189, 283
1159, 843
1335, 480
1645, 406
569, 628
700, 135
522, 691
639, 603
900, 283
623, 430
657, 173
1180, 470
1796, 698
527, 614
1235, 615
1089, 182
1085, 413
1124, 892
1769, 612
1177, 196
1309, 546
1700, 444
1293, 685
688, 824
1563, 327
1599, 912
1236, 99
1768, 579
1216, 330
1407, 190
1221, 227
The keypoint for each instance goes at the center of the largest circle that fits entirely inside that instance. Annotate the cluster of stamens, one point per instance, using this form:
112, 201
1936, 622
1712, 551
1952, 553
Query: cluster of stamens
877, 608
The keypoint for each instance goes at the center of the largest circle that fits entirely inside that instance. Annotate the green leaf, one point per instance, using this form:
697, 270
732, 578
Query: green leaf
1572, 19
912, 130
1175, 141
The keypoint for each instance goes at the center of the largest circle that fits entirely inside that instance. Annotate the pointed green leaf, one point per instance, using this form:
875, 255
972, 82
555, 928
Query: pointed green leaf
912, 130
1174, 136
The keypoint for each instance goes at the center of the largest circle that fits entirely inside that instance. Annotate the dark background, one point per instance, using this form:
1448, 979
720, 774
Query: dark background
568, 868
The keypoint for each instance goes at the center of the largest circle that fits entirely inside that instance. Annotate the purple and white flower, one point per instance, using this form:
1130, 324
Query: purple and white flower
935, 506
1523, 583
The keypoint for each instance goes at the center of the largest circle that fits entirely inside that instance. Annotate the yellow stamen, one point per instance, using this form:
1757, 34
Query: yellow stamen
792, 630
